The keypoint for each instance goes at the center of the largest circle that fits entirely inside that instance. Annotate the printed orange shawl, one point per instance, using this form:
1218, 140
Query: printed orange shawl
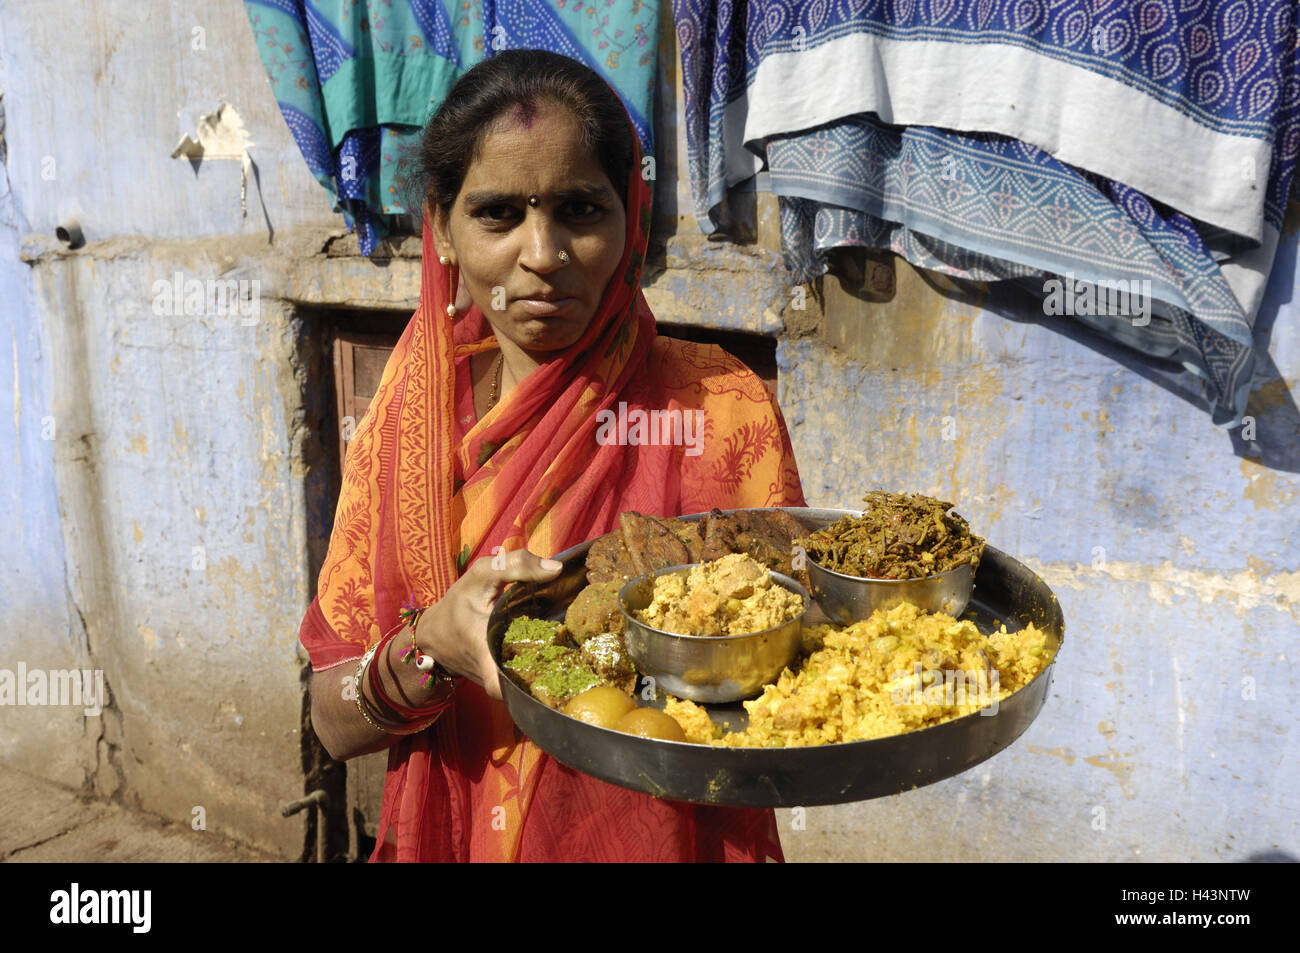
415, 509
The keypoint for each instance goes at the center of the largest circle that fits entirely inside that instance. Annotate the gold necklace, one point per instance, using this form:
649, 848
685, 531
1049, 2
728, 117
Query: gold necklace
496, 381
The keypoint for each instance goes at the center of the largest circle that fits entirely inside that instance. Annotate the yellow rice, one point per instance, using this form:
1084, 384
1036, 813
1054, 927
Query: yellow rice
898, 671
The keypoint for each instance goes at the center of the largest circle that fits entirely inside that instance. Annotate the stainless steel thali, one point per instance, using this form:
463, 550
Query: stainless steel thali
1006, 592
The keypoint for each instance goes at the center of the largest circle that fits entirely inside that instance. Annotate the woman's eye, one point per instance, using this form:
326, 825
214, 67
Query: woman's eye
584, 209
501, 214
495, 213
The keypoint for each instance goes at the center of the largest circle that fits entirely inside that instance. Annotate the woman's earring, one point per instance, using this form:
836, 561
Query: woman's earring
451, 291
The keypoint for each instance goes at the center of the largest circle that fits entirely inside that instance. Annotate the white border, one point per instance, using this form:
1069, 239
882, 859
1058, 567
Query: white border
1112, 130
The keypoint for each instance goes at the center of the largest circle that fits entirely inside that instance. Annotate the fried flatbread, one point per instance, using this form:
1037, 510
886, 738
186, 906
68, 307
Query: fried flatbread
645, 543
608, 559
689, 534
768, 536
652, 542
719, 536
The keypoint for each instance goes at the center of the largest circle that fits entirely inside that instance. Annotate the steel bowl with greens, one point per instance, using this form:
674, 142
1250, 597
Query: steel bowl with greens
898, 536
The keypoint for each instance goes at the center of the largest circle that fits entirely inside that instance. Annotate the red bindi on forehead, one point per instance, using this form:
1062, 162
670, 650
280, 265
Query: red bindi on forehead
524, 114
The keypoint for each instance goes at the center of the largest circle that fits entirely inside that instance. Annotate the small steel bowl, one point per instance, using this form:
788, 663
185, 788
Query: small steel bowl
849, 599
708, 668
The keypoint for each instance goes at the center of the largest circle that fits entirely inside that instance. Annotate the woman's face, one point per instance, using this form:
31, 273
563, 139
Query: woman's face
508, 250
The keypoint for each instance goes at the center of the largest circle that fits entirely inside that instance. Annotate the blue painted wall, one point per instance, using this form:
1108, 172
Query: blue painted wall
1170, 733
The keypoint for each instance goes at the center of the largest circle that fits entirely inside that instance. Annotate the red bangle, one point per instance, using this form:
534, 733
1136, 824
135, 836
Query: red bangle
433, 671
402, 711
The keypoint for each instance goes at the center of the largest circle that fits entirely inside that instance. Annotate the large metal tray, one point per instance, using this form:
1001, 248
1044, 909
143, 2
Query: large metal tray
1006, 592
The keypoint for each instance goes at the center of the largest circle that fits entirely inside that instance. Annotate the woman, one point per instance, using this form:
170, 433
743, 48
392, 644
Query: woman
482, 449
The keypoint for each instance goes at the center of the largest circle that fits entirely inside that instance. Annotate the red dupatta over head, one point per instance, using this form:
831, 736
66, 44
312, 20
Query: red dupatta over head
416, 506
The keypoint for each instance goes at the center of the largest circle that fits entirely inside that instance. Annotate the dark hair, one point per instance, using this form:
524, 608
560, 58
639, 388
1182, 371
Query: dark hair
520, 79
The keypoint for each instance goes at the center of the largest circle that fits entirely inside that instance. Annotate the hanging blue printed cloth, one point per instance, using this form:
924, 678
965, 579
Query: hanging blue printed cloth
356, 80
1082, 150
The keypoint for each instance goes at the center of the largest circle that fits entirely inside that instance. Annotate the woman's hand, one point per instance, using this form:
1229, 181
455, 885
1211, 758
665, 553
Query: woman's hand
454, 630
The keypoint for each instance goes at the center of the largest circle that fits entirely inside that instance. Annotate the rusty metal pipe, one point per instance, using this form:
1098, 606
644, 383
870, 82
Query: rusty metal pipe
317, 800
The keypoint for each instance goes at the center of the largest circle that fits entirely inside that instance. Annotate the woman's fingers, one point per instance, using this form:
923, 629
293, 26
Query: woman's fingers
523, 566
494, 573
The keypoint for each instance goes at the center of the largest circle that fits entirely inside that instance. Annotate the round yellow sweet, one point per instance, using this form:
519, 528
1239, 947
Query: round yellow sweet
600, 705
650, 723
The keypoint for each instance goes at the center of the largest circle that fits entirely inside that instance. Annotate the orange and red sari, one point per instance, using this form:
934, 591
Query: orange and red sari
427, 488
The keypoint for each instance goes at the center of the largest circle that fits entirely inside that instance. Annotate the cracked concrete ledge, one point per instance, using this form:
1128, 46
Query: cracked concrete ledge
42, 822
38, 247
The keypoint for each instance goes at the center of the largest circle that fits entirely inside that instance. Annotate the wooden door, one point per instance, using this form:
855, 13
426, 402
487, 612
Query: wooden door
359, 361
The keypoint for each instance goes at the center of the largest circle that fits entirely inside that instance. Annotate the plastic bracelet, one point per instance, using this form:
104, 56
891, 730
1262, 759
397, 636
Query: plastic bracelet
401, 711
361, 699
433, 672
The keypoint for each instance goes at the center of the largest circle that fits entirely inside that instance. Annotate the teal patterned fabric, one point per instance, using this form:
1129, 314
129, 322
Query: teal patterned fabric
357, 79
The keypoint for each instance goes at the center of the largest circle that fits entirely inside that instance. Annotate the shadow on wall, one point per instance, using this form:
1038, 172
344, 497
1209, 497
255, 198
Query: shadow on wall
1271, 404
1276, 436
1276, 442
1272, 857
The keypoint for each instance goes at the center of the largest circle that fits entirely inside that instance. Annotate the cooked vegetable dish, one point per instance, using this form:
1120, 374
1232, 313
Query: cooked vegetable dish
898, 536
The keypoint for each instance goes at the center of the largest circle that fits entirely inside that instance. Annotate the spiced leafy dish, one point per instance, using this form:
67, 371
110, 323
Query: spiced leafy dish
898, 536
